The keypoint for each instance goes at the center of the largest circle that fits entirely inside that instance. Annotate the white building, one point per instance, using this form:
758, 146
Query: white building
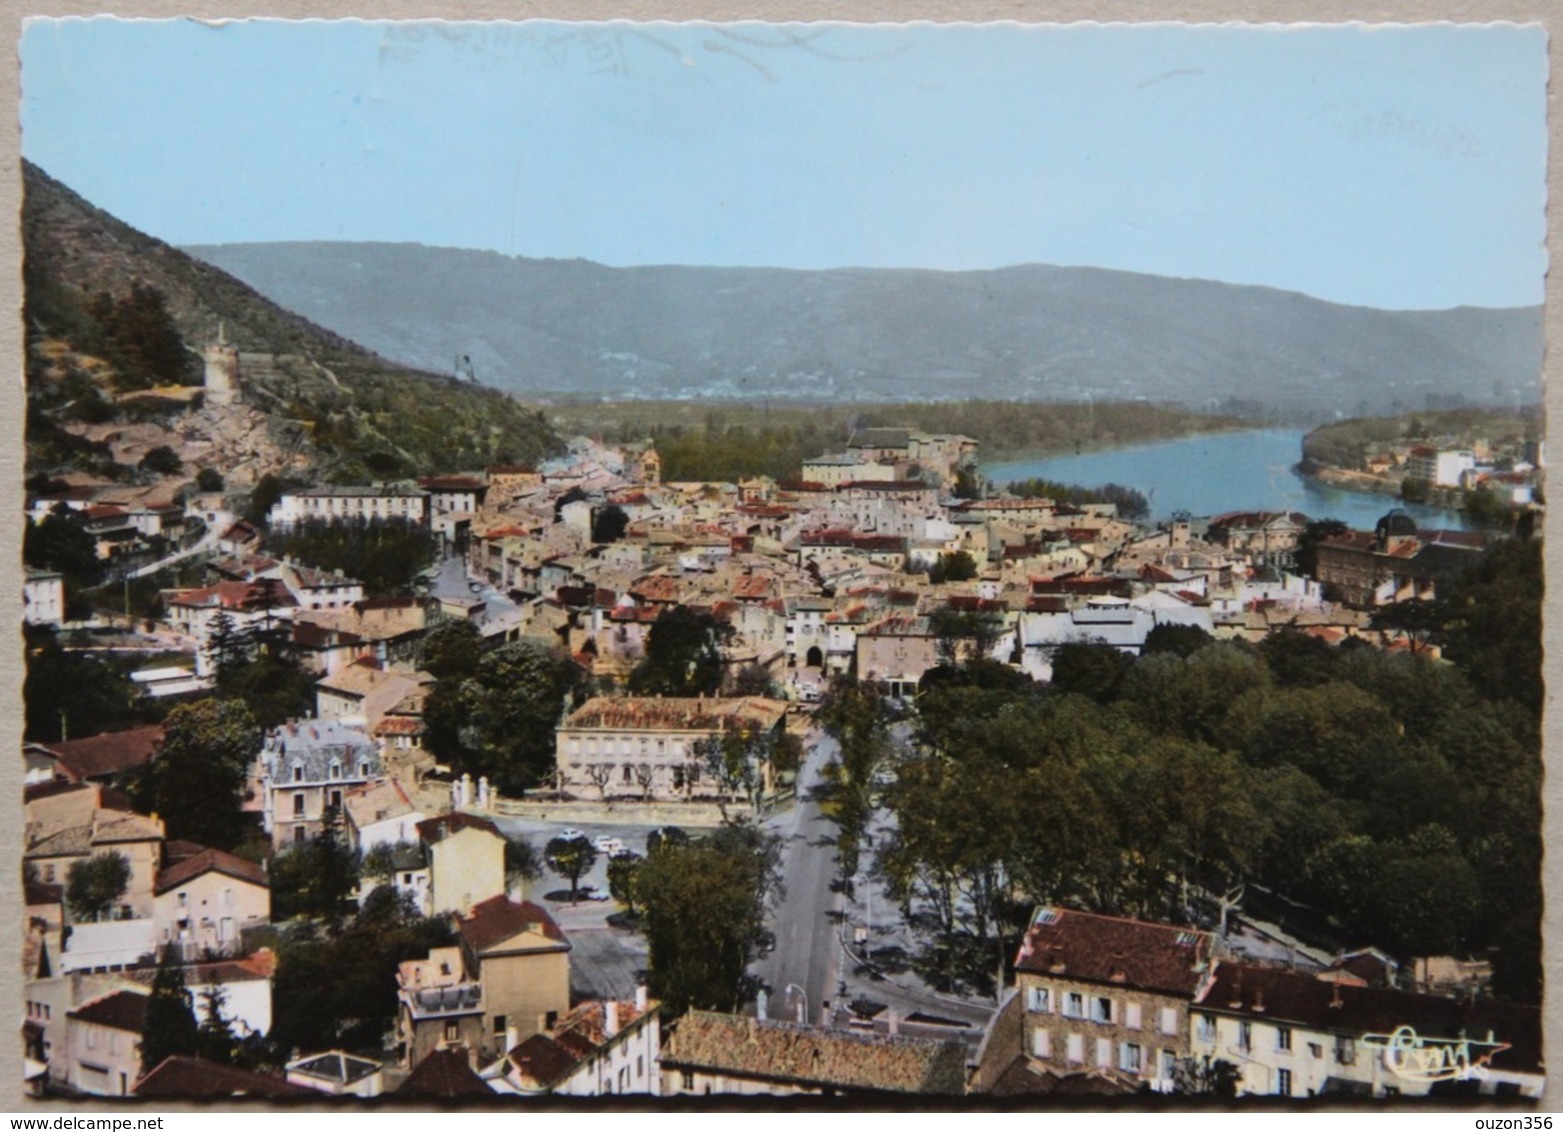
372, 503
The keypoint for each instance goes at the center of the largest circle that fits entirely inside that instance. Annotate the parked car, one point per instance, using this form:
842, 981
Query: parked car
608, 845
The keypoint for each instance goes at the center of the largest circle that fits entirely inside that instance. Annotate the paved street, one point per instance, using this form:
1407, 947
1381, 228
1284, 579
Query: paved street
802, 972
814, 928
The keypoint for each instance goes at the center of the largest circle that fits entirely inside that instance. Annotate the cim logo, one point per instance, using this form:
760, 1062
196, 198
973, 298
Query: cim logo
1412, 1057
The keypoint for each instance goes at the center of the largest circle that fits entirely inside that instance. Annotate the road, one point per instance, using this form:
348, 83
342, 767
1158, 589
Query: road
802, 972
202, 546
815, 927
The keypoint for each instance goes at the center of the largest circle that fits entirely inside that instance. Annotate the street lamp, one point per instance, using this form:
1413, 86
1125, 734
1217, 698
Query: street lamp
803, 1007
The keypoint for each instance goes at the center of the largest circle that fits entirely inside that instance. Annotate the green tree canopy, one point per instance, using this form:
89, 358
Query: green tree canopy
683, 654
169, 1027
570, 858
704, 915
94, 886
196, 781
500, 720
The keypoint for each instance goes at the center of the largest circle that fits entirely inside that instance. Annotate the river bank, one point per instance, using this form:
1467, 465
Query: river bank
1210, 473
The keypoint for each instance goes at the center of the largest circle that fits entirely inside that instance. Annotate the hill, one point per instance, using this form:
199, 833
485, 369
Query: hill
115, 324
1032, 332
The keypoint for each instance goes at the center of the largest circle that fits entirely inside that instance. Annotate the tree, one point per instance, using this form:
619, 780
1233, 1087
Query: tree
265, 495
215, 1039
196, 781
61, 542
522, 864
75, 694
318, 877
623, 870
1180, 640
94, 886
964, 635
228, 646
683, 654
753, 679
500, 720
703, 908
858, 715
665, 837
169, 1028
571, 858
1315, 532
955, 567
452, 650
163, 461
1416, 620
1206, 1077
609, 523
209, 479
1090, 668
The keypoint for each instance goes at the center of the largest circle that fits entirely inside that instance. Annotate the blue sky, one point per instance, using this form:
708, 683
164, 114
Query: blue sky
1400, 167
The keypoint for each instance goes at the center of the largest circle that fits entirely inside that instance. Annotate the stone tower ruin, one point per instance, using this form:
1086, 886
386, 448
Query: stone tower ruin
222, 370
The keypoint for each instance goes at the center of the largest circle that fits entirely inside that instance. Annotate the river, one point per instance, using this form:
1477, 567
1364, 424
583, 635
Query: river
1216, 472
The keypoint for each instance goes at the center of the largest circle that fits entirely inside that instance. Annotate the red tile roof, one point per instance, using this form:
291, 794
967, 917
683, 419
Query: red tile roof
499, 918
207, 861
188, 1077
438, 829
122, 1010
444, 1073
1109, 950
1321, 1003
542, 1061
108, 753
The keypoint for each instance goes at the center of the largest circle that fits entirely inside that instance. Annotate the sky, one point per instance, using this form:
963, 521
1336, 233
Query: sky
1396, 167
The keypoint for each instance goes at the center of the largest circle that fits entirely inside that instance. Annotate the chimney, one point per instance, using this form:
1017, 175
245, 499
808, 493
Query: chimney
642, 1002
610, 1017
892, 1023
512, 1038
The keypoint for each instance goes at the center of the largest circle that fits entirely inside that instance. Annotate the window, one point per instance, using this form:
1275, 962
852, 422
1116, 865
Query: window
1283, 1039
1245, 1036
1283, 1082
184, 899
688, 1081
363, 770
1041, 1044
1101, 1010
298, 774
1131, 1015
1076, 1049
499, 1025
1316, 1051
624, 1079
1039, 1000
452, 1032
1074, 1005
1206, 1027
1129, 1058
298, 835
1104, 1053
1346, 1051
298, 805
48, 874
335, 771
1169, 1020
640, 1066
629, 776
1169, 1064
